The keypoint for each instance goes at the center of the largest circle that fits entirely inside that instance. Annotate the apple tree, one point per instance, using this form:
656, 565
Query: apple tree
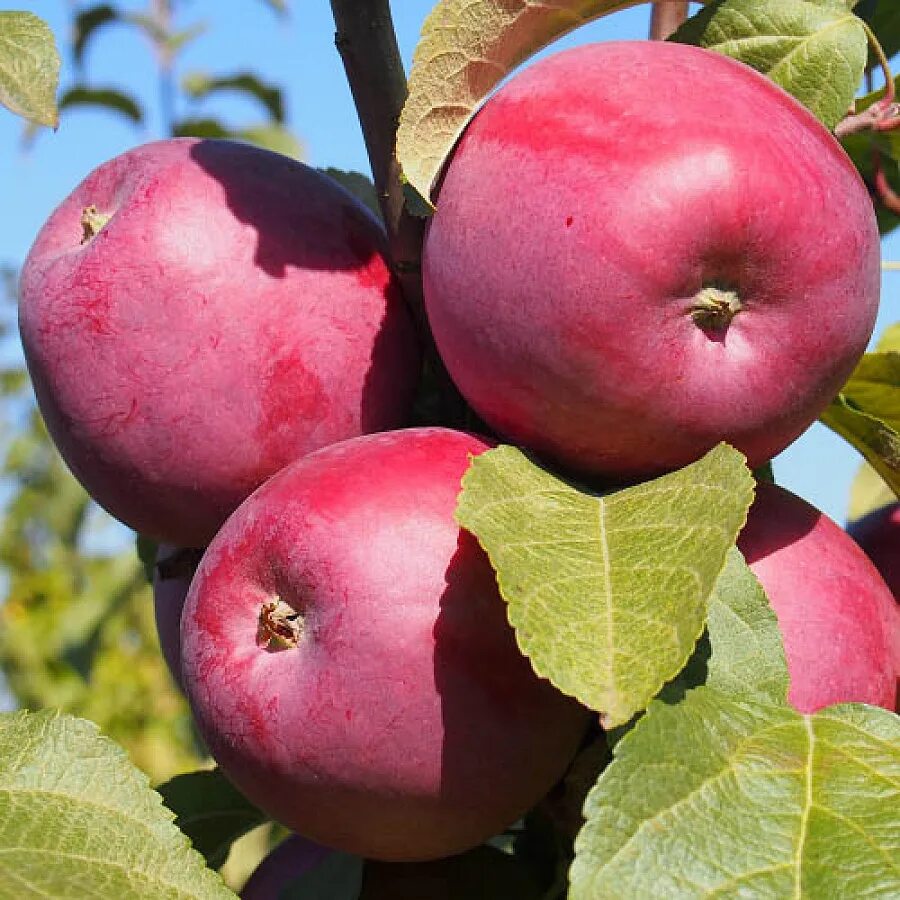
591, 652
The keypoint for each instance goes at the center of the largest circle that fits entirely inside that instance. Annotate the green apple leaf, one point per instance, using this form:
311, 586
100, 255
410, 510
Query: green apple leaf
211, 812
107, 98
29, 68
889, 342
200, 85
87, 23
868, 492
78, 820
867, 411
466, 48
878, 443
607, 594
357, 184
736, 798
815, 49
747, 658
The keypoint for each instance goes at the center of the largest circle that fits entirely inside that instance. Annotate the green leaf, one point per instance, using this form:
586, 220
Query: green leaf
357, 184
728, 798
889, 340
338, 877
29, 68
607, 595
815, 49
878, 443
747, 659
87, 23
211, 812
874, 386
199, 85
272, 137
109, 98
78, 820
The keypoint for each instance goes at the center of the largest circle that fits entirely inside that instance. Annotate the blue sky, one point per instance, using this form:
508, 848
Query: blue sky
297, 52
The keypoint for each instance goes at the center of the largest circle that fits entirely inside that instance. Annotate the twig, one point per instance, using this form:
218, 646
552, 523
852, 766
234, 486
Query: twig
367, 43
666, 18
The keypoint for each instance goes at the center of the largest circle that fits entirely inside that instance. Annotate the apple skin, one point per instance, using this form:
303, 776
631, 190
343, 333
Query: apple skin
588, 203
405, 724
171, 580
293, 857
839, 620
236, 312
878, 533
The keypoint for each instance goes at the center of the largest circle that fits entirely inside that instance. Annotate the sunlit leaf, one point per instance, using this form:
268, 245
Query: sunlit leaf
29, 68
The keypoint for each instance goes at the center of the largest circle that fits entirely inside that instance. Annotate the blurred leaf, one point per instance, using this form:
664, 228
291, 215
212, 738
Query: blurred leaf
87, 23
269, 137
146, 550
178, 40
357, 184
108, 98
29, 68
868, 492
337, 877
725, 797
889, 340
607, 595
279, 6
77, 819
211, 812
815, 49
199, 85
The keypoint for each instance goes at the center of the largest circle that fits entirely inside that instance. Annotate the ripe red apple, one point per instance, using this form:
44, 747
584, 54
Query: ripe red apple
292, 858
642, 249
172, 576
839, 621
198, 314
349, 663
878, 533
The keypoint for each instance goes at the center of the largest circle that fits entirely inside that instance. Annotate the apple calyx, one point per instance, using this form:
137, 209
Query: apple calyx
713, 308
280, 626
92, 222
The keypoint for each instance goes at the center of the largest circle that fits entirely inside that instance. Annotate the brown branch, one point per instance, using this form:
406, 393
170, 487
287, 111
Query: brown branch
367, 43
666, 18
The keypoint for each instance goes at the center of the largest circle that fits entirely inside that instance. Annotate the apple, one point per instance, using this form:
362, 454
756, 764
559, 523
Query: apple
172, 575
641, 249
196, 315
349, 663
839, 620
292, 858
878, 533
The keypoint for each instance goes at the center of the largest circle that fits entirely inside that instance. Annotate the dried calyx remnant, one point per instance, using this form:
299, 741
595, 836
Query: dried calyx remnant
713, 308
92, 222
280, 626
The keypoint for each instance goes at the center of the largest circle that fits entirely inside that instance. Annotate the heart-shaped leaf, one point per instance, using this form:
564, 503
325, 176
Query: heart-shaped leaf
607, 595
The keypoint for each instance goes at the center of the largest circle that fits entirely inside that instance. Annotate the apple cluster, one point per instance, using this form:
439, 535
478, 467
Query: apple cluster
615, 280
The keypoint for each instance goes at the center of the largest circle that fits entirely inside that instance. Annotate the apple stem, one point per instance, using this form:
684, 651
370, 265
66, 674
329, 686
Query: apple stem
280, 626
713, 308
884, 114
92, 222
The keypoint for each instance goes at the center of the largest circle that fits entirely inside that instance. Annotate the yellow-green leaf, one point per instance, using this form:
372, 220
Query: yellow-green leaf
29, 68
607, 594
466, 48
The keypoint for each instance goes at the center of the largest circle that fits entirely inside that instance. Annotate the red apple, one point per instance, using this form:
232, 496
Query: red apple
878, 533
642, 249
198, 314
349, 663
839, 621
172, 575
291, 859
